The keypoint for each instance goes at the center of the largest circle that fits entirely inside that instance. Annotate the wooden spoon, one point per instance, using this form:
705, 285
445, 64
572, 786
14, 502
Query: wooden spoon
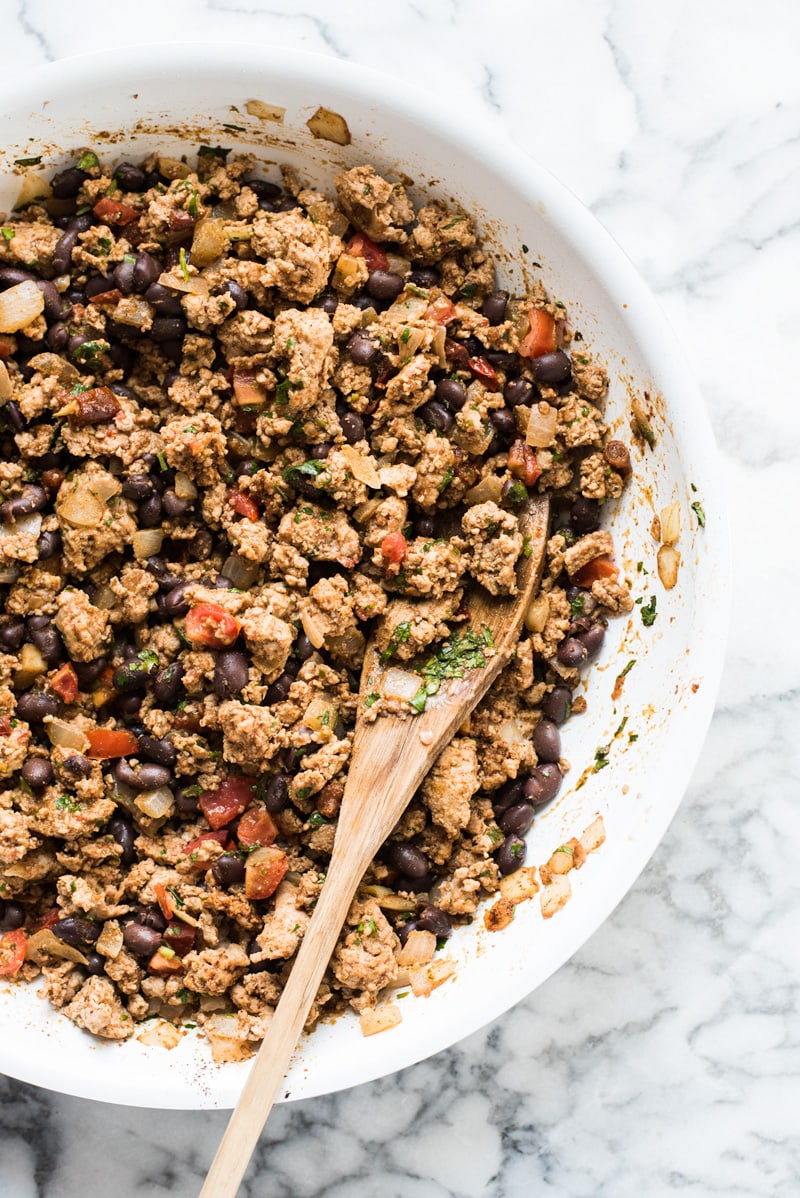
391, 755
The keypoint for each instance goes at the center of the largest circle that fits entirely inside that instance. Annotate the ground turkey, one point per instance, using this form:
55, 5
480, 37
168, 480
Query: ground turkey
376, 207
303, 344
98, 1010
214, 970
321, 535
407, 627
298, 253
196, 445
496, 543
450, 785
284, 927
83, 626
252, 734
364, 961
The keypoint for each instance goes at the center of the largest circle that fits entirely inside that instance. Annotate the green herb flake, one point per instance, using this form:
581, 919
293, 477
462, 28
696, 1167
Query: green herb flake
183, 264
697, 508
600, 759
213, 152
460, 653
67, 803
162, 461
8, 234
525, 249
28, 161
316, 819
649, 612
447, 478
235, 128
527, 547
577, 604
621, 727
88, 161
633, 737
371, 699
517, 494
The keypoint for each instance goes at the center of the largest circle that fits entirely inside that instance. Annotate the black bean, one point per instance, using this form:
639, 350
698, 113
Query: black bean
572, 652
352, 427
166, 580
425, 276
168, 685
186, 805
172, 351
501, 360
173, 506
433, 919
409, 860
248, 466
138, 487
14, 416
292, 667
231, 673
228, 870
222, 583
276, 795
67, 183
503, 420
547, 741
518, 391
552, 368
584, 515
264, 189
140, 940
328, 303
37, 623
153, 776
146, 269
362, 349
303, 647
163, 300
123, 276
175, 602
161, 751
76, 765
82, 222
126, 774
32, 499
149, 514
122, 831
593, 639
517, 819
168, 328
362, 302
62, 254
558, 704
95, 964
33, 706
127, 706
511, 854
133, 675
151, 917
494, 307
80, 933
510, 792
384, 285
543, 784
279, 689
12, 917
424, 526
451, 392
436, 416
37, 772
12, 634
11, 275
405, 930
130, 177
89, 671
49, 544
237, 294
98, 285
321, 449
125, 392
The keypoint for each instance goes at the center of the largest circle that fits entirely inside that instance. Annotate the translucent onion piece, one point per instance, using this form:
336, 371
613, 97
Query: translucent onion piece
225, 1042
43, 945
9, 574
488, 489
65, 736
32, 524
184, 487
514, 732
173, 168
31, 665
407, 308
321, 715
109, 942
34, 187
194, 285
400, 684
329, 126
388, 900
241, 573
541, 429
6, 390
313, 629
537, 614
265, 112
398, 265
412, 343
134, 312
437, 345
19, 306
670, 523
668, 560
363, 468
83, 508
210, 241
161, 1034
156, 803
418, 949
104, 597
146, 542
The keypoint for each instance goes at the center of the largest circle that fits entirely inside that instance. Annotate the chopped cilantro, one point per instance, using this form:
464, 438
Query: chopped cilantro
461, 652
213, 152
517, 494
87, 161
600, 758
447, 478
8, 234
183, 264
162, 461
697, 508
576, 606
28, 161
284, 387
400, 636
649, 612
315, 819
527, 547
371, 699
67, 803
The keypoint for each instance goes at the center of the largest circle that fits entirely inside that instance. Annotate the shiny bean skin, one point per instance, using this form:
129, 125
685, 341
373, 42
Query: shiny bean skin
509, 793
150, 512
141, 941
303, 647
152, 917
99, 284
518, 391
11, 275
12, 634
146, 270
280, 688
237, 294
494, 307
168, 684
95, 964
186, 804
77, 766
168, 328
228, 870
175, 601
543, 784
138, 487
451, 392
501, 360
37, 772
503, 420
584, 515
127, 706
424, 526
276, 795
67, 183
173, 506
593, 639
133, 674
384, 285
163, 300
62, 254
436, 416
12, 916
123, 276
130, 177
49, 545
405, 930
13, 414
433, 919
557, 705
162, 751
33, 706
328, 303
547, 741
352, 427
231, 673
165, 579
362, 349
571, 652
511, 854
517, 819
80, 933
32, 499
552, 368
409, 860
425, 276
89, 671
57, 338
122, 831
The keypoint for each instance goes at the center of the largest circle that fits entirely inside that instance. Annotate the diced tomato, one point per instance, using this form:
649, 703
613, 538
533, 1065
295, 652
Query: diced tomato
231, 798
209, 624
181, 221
179, 937
114, 212
522, 463
221, 837
247, 392
441, 310
264, 871
108, 297
364, 247
165, 962
5, 725
65, 683
483, 370
243, 504
541, 339
8, 345
164, 900
256, 827
394, 548
12, 952
47, 921
593, 571
456, 353
105, 743
245, 422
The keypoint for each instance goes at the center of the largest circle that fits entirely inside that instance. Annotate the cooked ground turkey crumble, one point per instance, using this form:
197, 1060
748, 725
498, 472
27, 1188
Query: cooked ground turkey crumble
244, 426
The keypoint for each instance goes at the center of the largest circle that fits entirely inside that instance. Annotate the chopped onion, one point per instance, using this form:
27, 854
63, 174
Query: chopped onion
541, 429
156, 803
30, 524
19, 306
368, 317
321, 714
161, 1034
210, 241
388, 900
668, 560
31, 665
364, 510
65, 736
409, 347
514, 732
34, 187
241, 572
670, 523
265, 112
418, 949
104, 597
43, 945
314, 630
173, 168
330, 126
194, 285
134, 312
225, 1042
398, 265
362, 466
6, 390
489, 489
84, 505
437, 345
184, 487
400, 684
407, 308
109, 942
146, 542
537, 614
9, 574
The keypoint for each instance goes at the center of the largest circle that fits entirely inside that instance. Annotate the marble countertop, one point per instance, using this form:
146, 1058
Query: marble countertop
678, 125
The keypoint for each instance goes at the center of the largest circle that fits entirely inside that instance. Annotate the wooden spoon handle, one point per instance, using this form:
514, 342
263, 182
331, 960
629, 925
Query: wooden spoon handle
267, 1074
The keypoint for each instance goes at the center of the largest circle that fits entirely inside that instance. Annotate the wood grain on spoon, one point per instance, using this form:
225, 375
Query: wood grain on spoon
391, 755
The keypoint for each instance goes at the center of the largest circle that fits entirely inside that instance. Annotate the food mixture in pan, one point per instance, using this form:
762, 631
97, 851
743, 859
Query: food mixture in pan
245, 425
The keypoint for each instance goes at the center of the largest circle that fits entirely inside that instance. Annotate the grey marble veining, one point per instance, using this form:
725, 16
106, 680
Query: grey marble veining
665, 1057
